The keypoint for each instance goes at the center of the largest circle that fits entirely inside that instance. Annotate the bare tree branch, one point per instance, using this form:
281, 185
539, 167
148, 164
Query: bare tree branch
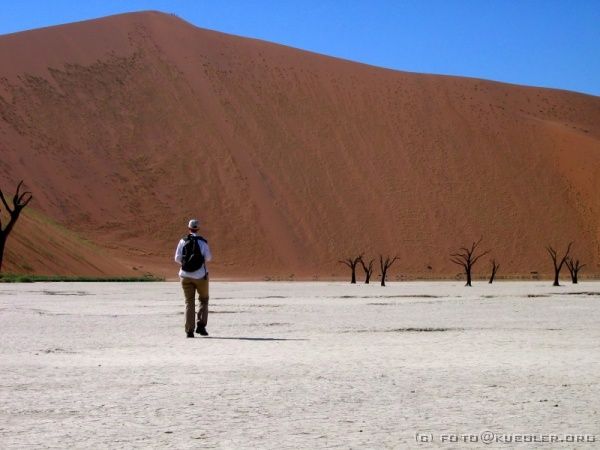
23, 195
495, 267
384, 266
4, 201
351, 263
558, 265
574, 267
477, 257
367, 269
466, 258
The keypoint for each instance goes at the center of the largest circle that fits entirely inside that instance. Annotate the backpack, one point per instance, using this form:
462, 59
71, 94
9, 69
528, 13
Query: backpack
192, 258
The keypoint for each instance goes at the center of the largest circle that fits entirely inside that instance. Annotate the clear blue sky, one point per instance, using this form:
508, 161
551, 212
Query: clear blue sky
552, 43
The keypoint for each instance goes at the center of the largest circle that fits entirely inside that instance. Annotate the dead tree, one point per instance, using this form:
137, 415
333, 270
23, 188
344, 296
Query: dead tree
19, 201
384, 266
558, 264
352, 263
368, 269
466, 258
495, 267
574, 268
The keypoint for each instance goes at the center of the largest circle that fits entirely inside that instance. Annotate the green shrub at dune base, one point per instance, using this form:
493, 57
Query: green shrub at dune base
25, 278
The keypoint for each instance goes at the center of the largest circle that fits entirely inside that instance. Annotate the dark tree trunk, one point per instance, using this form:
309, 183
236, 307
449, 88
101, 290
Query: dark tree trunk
495, 268
556, 273
353, 275
2, 244
383, 275
468, 277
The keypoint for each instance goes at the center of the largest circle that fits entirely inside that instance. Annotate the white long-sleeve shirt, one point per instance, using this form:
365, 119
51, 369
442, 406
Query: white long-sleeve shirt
202, 271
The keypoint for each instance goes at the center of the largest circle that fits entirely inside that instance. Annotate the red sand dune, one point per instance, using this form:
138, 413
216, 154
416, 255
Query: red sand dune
125, 127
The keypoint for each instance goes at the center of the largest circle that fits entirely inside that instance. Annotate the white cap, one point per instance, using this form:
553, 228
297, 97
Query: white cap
193, 224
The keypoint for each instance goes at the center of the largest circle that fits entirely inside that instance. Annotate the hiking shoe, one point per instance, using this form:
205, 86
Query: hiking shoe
190, 334
201, 330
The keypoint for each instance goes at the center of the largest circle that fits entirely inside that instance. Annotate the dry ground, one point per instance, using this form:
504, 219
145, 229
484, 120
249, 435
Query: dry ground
296, 365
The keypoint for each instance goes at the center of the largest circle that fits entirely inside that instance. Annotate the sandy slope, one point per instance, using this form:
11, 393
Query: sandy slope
126, 126
297, 365
44, 246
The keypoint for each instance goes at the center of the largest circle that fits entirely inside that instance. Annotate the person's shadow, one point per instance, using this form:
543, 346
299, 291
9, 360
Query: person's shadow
258, 339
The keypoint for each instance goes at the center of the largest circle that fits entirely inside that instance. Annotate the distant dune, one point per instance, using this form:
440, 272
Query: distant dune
125, 127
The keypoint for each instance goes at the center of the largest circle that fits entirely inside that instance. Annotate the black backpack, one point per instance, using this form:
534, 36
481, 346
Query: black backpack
192, 258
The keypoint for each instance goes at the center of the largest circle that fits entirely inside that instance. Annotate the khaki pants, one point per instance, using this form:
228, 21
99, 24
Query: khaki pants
190, 286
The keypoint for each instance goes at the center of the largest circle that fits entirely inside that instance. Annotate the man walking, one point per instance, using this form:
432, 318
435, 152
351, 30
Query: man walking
192, 254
